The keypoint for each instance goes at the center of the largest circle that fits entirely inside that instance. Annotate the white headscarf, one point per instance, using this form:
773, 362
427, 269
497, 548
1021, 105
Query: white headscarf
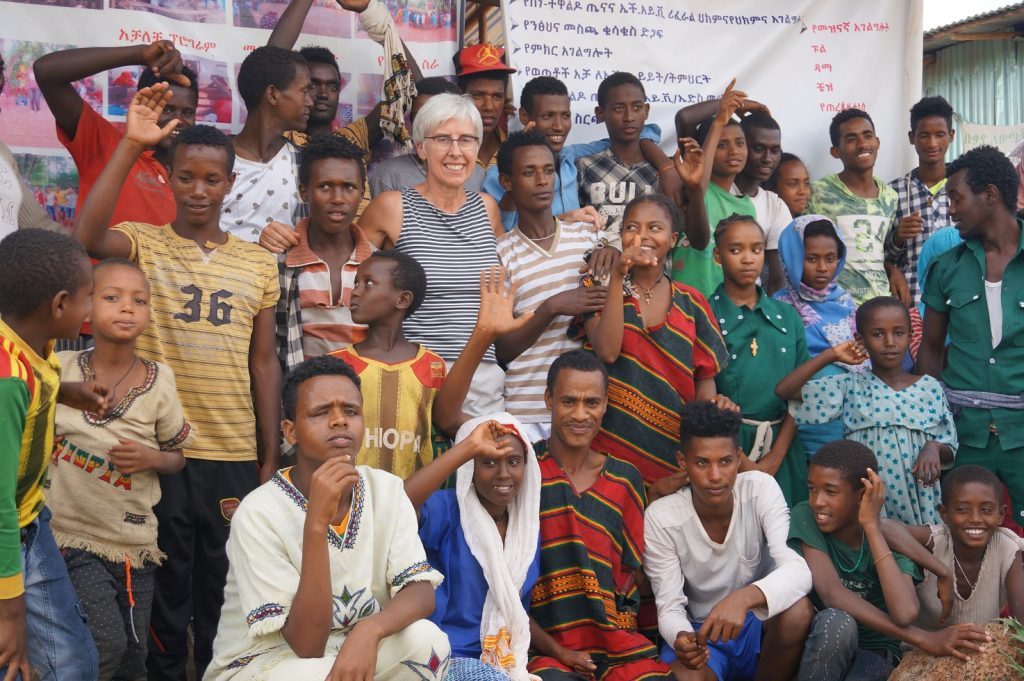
504, 625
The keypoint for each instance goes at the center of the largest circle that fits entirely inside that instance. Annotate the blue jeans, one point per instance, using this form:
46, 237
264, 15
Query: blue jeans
59, 643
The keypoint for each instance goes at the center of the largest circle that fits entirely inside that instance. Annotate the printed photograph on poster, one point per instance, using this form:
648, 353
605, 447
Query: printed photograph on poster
325, 17
77, 4
214, 92
54, 183
196, 11
424, 21
24, 116
121, 88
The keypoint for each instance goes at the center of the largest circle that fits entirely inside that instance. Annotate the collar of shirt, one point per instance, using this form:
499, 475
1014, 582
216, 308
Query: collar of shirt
301, 254
732, 315
978, 250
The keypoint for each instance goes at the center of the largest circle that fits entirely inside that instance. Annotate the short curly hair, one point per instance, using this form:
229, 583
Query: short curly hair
986, 165
868, 307
205, 136
325, 365
963, 475
518, 140
539, 86
842, 117
931, 106
315, 54
851, 459
704, 419
329, 145
263, 67
407, 274
36, 265
576, 360
615, 80
436, 85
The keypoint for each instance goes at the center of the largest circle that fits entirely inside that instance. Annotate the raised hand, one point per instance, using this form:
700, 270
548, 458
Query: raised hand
850, 352
689, 161
634, 257
872, 501
489, 439
143, 123
732, 101
354, 5
496, 316
164, 60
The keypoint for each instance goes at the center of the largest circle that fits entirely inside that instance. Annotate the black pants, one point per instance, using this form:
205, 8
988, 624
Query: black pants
194, 515
119, 630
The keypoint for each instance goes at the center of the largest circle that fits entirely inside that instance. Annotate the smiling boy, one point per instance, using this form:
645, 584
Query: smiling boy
861, 205
610, 179
725, 582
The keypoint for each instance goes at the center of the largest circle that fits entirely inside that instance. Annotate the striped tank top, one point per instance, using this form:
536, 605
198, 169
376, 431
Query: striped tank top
452, 248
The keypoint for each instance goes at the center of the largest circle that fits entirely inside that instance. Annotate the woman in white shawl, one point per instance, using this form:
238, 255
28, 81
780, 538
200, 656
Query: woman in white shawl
483, 536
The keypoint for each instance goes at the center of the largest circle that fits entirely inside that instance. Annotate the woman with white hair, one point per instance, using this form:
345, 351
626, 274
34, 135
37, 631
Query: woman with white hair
451, 232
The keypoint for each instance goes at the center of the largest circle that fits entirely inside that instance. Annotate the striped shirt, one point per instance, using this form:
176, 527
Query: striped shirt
452, 248
397, 402
654, 376
28, 400
326, 324
201, 325
541, 274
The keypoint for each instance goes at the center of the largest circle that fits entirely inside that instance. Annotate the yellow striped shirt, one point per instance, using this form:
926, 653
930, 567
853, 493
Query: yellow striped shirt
202, 307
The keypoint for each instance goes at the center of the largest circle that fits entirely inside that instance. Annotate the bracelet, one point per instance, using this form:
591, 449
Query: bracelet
883, 557
670, 166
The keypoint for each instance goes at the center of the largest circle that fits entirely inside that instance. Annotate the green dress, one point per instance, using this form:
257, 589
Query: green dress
765, 344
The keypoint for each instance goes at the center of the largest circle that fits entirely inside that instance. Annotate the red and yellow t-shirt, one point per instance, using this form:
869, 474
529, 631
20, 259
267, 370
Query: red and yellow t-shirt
397, 401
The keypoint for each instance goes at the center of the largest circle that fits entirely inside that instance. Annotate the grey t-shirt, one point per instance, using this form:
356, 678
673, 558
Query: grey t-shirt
395, 174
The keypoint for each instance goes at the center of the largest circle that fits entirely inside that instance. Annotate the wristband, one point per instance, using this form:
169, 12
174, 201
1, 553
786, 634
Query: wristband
670, 166
883, 557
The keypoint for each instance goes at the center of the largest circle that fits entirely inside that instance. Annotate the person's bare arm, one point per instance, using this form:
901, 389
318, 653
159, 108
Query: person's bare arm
1015, 588
311, 614
494, 214
931, 355
570, 303
911, 541
485, 440
576, 660
689, 117
56, 72
494, 319
381, 222
790, 387
141, 131
604, 331
690, 167
265, 375
289, 24
897, 586
776, 275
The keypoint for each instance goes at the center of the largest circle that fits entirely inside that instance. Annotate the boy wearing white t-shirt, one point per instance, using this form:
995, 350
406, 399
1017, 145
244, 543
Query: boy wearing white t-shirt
725, 582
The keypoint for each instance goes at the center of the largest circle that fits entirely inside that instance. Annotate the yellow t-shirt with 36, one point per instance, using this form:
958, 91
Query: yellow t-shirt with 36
202, 307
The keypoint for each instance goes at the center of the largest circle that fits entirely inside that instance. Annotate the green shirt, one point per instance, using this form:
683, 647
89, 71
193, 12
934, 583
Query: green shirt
955, 287
863, 225
862, 581
764, 344
695, 267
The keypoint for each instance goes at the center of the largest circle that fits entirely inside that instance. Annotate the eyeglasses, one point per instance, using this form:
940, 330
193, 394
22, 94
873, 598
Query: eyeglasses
466, 142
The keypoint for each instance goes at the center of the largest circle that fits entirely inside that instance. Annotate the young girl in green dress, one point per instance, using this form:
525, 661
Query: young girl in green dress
765, 339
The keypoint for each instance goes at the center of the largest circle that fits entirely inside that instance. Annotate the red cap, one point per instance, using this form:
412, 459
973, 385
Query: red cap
479, 58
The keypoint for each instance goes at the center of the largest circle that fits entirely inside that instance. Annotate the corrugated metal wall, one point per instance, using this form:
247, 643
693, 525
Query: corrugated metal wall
983, 80
495, 27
